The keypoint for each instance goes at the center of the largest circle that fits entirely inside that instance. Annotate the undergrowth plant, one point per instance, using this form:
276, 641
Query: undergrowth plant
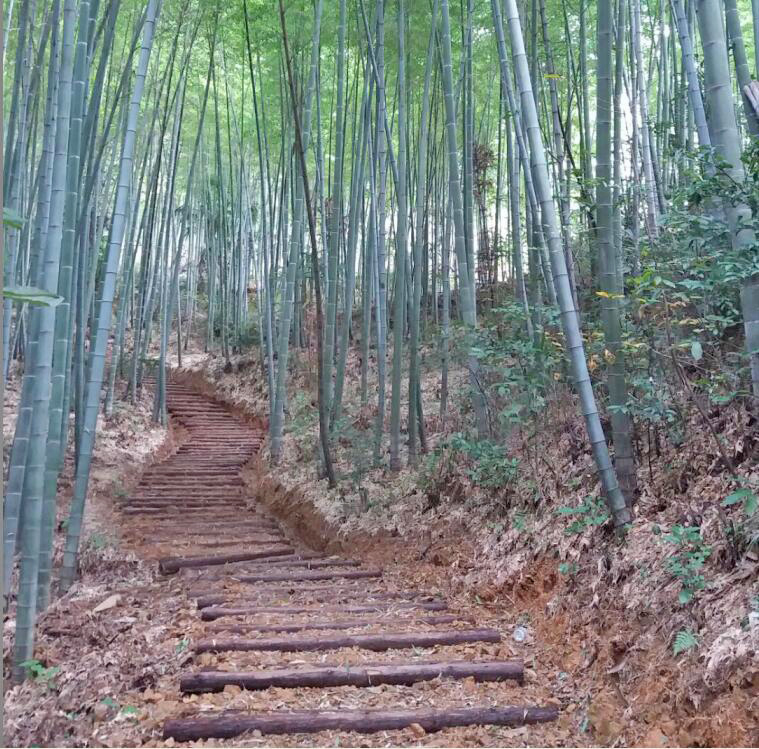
687, 563
303, 417
485, 462
41, 674
591, 512
685, 640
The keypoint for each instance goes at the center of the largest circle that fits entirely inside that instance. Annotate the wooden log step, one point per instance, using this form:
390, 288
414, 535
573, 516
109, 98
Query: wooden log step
179, 475
167, 534
168, 469
346, 587
195, 460
235, 628
383, 641
247, 520
226, 725
219, 448
220, 441
363, 675
168, 513
184, 481
165, 513
189, 489
214, 415
286, 562
295, 559
282, 560
186, 506
216, 599
232, 464
303, 559
176, 507
233, 492
226, 501
160, 506
173, 564
203, 460
210, 613
195, 501
228, 444
209, 528
273, 537
276, 577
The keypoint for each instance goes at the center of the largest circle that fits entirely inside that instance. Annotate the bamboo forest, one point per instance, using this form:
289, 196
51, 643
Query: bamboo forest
380, 373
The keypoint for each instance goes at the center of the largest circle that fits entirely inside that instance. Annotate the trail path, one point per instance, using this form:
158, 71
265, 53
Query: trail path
364, 653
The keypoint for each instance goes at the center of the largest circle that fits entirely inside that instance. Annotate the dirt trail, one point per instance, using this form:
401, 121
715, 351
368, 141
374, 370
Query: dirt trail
311, 647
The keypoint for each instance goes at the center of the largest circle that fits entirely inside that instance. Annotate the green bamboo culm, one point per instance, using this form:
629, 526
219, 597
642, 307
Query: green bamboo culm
613, 494
34, 479
725, 138
401, 242
415, 414
466, 282
56, 436
296, 239
15, 479
97, 357
613, 292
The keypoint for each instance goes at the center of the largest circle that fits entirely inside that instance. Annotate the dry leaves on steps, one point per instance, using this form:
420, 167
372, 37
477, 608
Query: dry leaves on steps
108, 603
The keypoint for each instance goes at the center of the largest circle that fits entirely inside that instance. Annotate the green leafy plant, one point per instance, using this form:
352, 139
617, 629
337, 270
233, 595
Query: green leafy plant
590, 513
120, 492
520, 521
488, 465
303, 419
40, 673
568, 568
97, 541
688, 561
685, 640
745, 496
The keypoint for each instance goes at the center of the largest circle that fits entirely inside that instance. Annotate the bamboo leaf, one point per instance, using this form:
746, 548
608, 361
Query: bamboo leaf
12, 219
32, 295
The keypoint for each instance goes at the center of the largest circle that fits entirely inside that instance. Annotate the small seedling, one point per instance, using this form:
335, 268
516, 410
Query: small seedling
687, 563
590, 513
568, 568
97, 541
40, 673
685, 640
744, 496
